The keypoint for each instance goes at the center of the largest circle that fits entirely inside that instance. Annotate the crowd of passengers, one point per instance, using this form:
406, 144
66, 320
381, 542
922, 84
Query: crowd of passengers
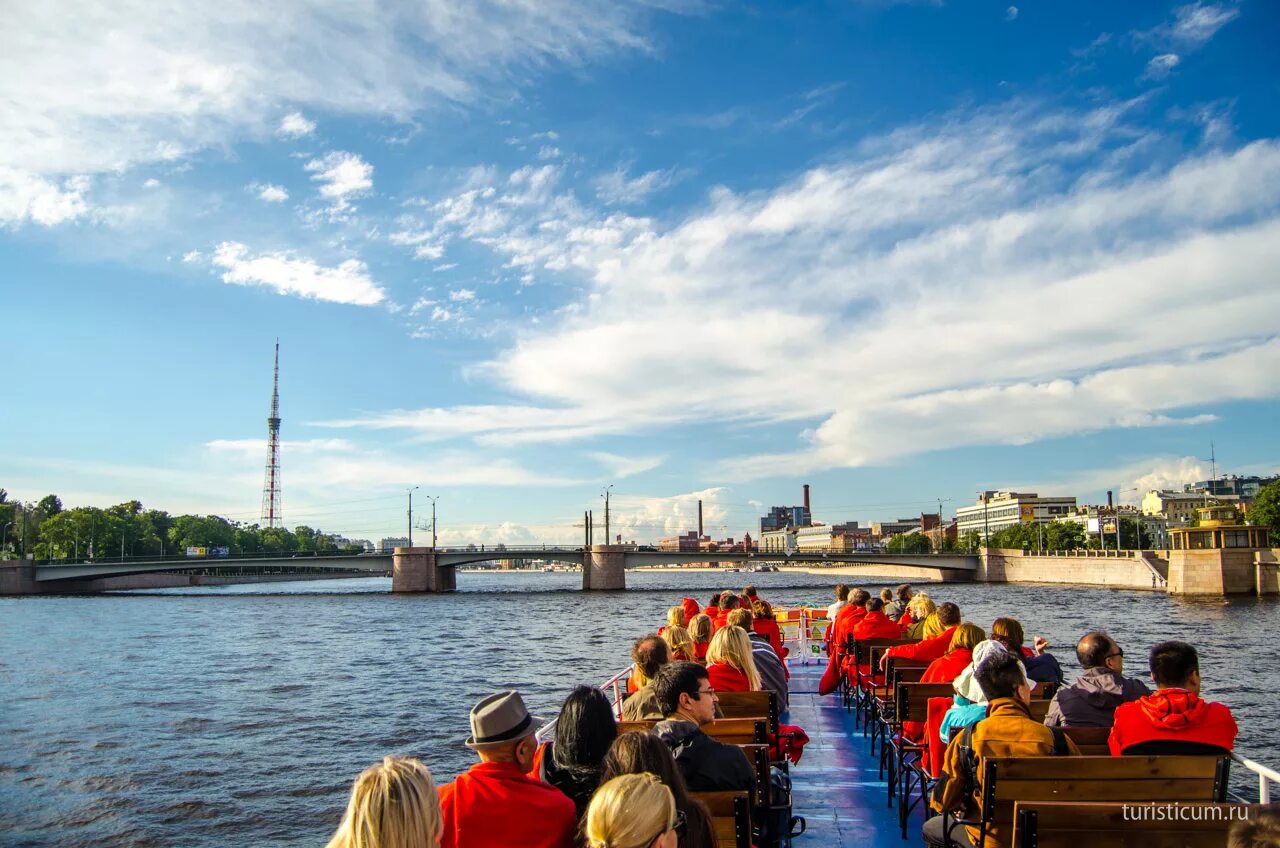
591, 785
992, 674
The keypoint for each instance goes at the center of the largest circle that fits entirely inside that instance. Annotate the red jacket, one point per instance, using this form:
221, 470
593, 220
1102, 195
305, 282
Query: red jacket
926, 651
691, 609
876, 625
768, 627
700, 651
725, 678
494, 805
1171, 715
846, 619
947, 668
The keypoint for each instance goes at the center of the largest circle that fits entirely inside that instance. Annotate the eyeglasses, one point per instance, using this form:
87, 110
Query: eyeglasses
702, 692
679, 825
1119, 653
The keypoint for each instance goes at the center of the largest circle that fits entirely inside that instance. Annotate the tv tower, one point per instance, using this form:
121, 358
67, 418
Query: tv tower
271, 516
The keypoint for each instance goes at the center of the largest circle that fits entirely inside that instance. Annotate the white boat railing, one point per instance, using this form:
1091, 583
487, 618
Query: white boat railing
613, 684
1265, 775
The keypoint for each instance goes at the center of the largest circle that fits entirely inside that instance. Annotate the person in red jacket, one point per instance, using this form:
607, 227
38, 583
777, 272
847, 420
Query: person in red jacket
495, 804
958, 657
847, 618
713, 609
929, 649
874, 624
763, 622
1174, 719
691, 609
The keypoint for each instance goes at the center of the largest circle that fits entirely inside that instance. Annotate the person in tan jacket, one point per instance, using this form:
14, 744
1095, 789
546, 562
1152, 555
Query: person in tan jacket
1007, 731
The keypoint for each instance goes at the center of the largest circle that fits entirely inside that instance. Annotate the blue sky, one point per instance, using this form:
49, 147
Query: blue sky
515, 253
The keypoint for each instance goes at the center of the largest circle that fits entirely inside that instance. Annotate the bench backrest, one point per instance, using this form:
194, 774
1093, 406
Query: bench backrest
731, 731
1050, 824
730, 817
911, 700
751, 705
1085, 779
1092, 741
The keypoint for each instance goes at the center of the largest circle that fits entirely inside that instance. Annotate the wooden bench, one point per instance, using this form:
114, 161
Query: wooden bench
751, 705
1008, 780
1059, 824
911, 703
731, 731
730, 817
1092, 741
757, 753
862, 684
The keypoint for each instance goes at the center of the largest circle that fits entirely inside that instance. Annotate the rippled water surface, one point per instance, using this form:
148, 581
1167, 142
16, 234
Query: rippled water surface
240, 715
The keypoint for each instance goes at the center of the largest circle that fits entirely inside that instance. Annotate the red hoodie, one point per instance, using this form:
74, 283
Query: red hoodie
533, 814
846, 619
725, 678
876, 625
928, 650
1171, 715
946, 669
691, 609
768, 628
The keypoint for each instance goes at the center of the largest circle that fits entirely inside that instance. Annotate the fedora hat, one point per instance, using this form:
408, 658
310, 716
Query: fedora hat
499, 719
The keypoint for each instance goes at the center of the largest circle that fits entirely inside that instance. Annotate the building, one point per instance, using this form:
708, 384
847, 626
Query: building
813, 539
846, 538
1231, 486
689, 542
1177, 508
389, 544
781, 517
888, 529
997, 510
780, 541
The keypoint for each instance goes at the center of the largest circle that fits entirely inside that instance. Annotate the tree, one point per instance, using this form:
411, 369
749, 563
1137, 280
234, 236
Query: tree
969, 541
908, 543
1064, 536
201, 531
1265, 510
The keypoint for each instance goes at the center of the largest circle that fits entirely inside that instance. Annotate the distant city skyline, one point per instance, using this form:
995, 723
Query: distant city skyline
902, 252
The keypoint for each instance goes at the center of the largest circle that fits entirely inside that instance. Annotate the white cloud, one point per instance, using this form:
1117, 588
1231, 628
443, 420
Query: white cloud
652, 518
270, 193
295, 125
342, 177
1011, 13
257, 448
151, 183
25, 196
462, 295
348, 282
1192, 26
549, 152
88, 88
1161, 66
620, 467
618, 188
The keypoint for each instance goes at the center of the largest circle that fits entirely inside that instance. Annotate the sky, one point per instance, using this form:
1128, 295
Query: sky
517, 253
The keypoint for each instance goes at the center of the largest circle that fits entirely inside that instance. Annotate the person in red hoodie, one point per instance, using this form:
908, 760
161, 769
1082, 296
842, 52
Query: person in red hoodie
847, 618
929, 650
495, 804
713, 608
1174, 719
874, 624
691, 609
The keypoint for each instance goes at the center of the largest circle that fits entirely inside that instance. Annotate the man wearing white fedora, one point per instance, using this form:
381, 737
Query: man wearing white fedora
495, 804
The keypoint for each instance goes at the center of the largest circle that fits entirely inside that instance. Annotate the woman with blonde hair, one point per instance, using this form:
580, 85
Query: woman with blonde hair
701, 631
959, 655
730, 666
919, 608
679, 642
633, 811
675, 618
930, 627
393, 805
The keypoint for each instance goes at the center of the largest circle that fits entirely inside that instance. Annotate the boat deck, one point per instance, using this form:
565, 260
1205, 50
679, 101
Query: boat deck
836, 786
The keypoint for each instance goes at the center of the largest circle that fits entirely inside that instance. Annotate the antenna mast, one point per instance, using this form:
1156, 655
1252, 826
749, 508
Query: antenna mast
271, 516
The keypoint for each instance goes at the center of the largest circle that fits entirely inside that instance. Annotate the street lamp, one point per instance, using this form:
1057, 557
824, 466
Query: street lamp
608, 539
411, 491
433, 518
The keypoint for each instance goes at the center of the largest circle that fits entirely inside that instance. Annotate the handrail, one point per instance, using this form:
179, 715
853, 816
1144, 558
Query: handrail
1264, 775
614, 683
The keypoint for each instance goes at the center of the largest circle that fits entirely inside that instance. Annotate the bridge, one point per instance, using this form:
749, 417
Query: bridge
434, 570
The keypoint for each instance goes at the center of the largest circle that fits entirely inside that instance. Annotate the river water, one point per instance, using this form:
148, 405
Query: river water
239, 715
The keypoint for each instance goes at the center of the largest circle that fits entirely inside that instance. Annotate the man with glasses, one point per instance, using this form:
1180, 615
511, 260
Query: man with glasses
1091, 700
683, 692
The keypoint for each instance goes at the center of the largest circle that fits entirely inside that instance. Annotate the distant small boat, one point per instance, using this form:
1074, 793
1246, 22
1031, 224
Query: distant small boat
733, 569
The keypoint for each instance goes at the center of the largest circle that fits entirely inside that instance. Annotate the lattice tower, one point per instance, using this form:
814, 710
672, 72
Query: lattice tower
271, 514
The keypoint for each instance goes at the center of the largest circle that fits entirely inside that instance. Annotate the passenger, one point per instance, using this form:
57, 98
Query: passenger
919, 610
648, 654
584, 731
970, 702
848, 617
393, 805
1007, 731
632, 811
638, 753
773, 674
930, 649
886, 596
1092, 698
750, 595
958, 657
730, 664
701, 631
691, 609
534, 815
728, 603
842, 598
688, 701
679, 644
1174, 719
896, 606
675, 618
1042, 667
713, 608
766, 625
875, 625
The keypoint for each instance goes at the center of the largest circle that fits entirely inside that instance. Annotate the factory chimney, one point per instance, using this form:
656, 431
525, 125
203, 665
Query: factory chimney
806, 498
699, 518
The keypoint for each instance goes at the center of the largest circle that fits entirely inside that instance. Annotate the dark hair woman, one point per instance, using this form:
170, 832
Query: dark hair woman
637, 753
584, 731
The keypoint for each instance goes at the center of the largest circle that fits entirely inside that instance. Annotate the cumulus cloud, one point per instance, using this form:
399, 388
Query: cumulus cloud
342, 177
295, 125
462, 295
286, 273
27, 197
954, 272
270, 193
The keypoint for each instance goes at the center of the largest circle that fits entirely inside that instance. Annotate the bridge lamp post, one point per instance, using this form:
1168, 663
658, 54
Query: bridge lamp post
433, 518
608, 539
411, 491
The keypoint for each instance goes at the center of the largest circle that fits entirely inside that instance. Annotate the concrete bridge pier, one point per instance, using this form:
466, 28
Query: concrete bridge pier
18, 577
603, 567
417, 570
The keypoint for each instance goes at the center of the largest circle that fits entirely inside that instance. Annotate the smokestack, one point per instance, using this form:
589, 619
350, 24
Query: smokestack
806, 498
1109, 504
699, 518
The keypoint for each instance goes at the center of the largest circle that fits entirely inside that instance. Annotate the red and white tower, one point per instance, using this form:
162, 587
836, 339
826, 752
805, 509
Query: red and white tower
271, 515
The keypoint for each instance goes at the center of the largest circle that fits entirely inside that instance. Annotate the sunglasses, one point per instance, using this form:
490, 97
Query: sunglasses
679, 826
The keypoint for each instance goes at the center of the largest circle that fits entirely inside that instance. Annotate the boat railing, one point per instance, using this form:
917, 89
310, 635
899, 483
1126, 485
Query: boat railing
613, 685
1265, 775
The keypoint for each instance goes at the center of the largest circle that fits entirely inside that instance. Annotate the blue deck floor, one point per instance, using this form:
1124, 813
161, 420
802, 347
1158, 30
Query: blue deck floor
836, 786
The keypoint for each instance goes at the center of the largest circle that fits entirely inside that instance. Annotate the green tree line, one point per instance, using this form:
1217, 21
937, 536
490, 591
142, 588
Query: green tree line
49, 531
